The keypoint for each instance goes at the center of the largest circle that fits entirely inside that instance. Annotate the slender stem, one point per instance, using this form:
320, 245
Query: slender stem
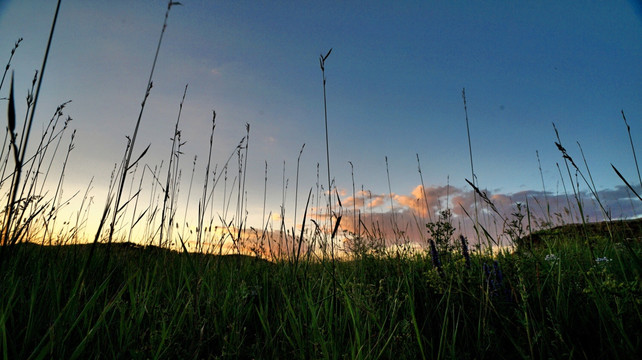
327, 143
541, 175
203, 203
296, 190
354, 199
423, 189
395, 226
472, 169
322, 60
172, 153
6, 69
628, 129
130, 149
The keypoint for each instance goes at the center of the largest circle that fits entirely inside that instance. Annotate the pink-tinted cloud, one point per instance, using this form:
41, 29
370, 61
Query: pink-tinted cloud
357, 202
407, 223
375, 201
369, 216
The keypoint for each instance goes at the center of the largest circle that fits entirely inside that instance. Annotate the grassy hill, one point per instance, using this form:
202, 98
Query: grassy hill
616, 231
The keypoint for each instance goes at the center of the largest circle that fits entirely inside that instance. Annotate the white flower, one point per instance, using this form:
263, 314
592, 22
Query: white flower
551, 257
602, 260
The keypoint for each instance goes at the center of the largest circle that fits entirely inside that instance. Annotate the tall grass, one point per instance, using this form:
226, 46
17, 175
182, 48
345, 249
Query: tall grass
126, 163
562, 292
12, 230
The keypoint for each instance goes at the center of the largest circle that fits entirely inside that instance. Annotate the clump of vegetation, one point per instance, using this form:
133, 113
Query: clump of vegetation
572, 291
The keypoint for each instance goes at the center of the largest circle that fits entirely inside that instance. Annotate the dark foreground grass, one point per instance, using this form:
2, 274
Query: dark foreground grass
134, 302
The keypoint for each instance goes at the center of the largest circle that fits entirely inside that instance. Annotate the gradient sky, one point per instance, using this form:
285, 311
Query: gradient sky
394, 84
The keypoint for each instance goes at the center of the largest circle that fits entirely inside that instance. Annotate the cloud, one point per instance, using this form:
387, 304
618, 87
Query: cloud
368, 218
375, 218
358, 202
375, 201
412, 203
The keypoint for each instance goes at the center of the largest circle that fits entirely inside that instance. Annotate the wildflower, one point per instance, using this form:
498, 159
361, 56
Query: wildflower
464, 250
551, 257
495, 281
491, 278
498, 273
603, 260
435, 257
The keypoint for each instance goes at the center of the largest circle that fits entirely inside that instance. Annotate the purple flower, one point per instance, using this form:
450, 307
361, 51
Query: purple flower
464, 250
495, 281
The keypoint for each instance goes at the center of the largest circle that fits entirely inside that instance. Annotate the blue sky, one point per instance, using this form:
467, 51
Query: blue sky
394, 84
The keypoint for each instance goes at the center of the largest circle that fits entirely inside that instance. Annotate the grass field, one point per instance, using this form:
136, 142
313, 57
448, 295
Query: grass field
553, 301
568, 291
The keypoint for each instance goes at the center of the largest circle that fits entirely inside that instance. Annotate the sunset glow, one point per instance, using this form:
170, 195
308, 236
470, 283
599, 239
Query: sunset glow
394, 84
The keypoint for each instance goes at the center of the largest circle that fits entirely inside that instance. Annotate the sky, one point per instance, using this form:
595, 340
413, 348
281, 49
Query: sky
394, 82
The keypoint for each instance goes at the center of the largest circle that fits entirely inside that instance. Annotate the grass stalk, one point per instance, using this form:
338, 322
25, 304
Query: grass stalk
8, 66
174, 153
423, 190
296, 200
635, 158
19, 158
130, 148
203, 203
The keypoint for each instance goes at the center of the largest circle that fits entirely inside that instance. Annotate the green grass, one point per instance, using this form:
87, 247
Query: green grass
135, 302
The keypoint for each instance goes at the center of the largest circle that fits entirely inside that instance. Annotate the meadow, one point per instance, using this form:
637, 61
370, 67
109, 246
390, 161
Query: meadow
567, 290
